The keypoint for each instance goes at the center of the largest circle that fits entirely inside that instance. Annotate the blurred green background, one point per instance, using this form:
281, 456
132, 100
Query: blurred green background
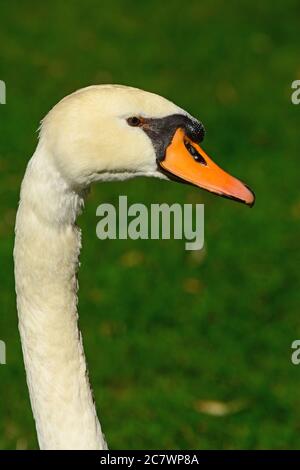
185, 350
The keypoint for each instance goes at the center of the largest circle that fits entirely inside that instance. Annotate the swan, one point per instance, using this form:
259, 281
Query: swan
99, 133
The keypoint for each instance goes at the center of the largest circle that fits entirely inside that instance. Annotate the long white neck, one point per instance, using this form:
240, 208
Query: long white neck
47, 247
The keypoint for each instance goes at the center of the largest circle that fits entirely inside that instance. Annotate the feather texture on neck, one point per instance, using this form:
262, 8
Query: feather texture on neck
46, 254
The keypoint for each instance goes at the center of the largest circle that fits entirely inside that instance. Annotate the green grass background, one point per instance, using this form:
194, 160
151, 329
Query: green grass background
166, 330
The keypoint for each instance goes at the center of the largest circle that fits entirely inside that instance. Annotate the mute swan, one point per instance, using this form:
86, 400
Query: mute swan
100, 133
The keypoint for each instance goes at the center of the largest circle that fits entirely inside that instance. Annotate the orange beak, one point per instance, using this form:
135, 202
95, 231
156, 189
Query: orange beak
186, 160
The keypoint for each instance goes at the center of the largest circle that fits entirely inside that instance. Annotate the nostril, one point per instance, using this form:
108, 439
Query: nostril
194, 152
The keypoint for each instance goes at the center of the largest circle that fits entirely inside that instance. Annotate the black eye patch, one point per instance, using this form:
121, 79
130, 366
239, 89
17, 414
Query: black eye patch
194, 152
162, 130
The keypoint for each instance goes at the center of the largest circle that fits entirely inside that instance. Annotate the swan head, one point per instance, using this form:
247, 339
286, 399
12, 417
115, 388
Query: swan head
110, 132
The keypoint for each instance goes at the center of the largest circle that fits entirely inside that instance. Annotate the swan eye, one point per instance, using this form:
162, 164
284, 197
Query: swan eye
134, 121
194, 152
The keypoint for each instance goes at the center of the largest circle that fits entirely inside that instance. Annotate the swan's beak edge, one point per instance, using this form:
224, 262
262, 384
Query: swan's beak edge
188, 162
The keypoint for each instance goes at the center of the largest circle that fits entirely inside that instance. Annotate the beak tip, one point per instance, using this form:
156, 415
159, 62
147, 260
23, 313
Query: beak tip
251, 201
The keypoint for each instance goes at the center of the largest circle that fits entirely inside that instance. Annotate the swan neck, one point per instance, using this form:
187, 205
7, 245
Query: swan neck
47, 247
